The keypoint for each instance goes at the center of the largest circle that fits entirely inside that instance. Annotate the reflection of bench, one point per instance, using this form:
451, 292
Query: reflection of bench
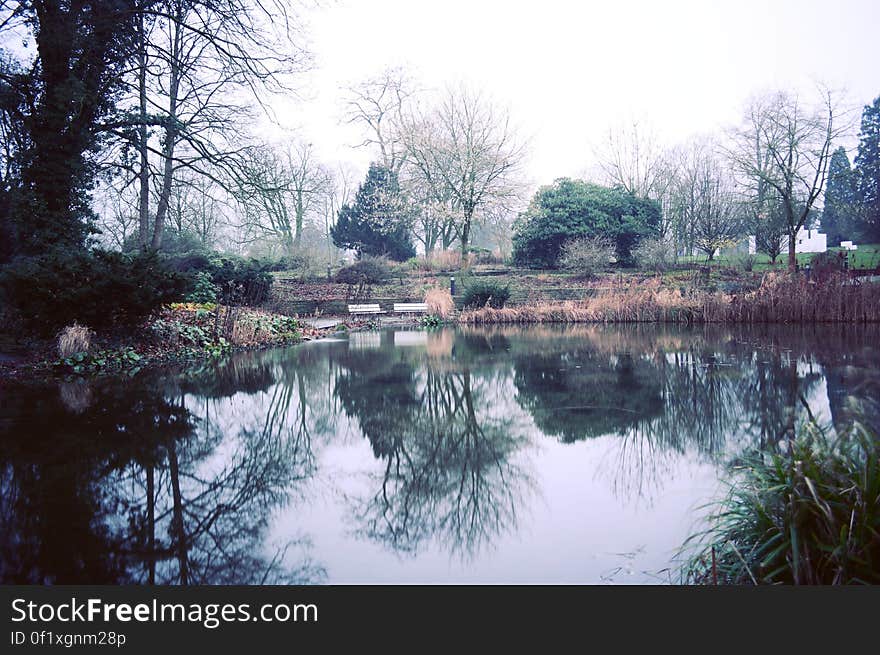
365, 309
411, 307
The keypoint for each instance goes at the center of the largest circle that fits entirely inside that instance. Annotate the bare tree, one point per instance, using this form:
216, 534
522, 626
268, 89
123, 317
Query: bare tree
706, 212
631, 157
197, 207
378, 104
435, 224
786, 144
280, 191
196, 63
341, 186
465, 147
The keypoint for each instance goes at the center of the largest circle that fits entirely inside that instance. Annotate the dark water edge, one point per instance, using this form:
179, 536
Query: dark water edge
540, 454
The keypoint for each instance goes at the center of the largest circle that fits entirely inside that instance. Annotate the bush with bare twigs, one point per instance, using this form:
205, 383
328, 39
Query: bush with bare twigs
586, 256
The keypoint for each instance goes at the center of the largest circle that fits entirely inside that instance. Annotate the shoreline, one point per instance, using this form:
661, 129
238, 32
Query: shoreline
183, 332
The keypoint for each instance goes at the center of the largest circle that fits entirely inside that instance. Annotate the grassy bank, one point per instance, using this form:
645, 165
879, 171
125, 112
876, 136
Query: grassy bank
807, 515
780, 298
178, 332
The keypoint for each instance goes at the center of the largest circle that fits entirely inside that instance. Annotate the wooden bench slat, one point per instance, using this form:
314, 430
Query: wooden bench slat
410, 307
365, 309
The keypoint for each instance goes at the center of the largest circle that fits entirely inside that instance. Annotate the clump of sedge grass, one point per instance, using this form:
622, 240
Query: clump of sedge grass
74, 339
439, 302
810, 515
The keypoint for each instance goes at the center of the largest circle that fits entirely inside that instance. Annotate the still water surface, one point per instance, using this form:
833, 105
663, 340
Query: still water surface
578, 455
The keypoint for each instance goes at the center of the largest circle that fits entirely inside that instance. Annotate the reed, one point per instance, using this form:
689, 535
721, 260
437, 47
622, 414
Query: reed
440, 302
780, 298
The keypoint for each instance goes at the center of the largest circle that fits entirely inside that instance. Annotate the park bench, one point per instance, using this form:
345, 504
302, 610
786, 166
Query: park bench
365, 309
410, 307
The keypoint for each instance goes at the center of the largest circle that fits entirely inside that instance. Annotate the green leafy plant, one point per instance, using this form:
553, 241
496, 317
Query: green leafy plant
204, 289
807, 515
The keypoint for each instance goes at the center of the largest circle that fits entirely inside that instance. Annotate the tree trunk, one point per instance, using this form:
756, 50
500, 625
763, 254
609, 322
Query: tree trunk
151, 523
144, 174
298, 227
792, 257
171, 131
465, 235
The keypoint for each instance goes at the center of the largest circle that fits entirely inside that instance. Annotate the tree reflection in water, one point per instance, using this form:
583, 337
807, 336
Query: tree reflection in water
450, 469
113, 483
178, 477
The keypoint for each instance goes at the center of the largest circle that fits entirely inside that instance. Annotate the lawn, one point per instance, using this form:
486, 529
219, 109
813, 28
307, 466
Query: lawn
866, 257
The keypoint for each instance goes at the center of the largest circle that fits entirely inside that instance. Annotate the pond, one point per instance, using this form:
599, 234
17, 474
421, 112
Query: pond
503, 455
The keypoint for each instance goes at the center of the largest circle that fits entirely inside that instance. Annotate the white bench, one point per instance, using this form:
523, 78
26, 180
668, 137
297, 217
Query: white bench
411, 307
365, 309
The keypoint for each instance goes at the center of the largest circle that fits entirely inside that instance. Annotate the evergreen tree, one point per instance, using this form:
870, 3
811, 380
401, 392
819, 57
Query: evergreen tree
839, 218
377, 223
570, 209
868, 170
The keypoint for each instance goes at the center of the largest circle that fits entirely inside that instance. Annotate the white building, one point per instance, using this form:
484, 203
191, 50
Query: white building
805, 241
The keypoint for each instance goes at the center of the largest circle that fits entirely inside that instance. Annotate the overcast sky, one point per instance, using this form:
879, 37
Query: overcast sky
568, 70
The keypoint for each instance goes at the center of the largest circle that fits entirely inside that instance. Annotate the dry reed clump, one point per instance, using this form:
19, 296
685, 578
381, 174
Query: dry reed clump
439, 302
781, 298
74, 339
639, 302
441, 260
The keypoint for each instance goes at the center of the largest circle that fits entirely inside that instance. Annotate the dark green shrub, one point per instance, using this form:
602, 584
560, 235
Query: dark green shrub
241, 281
369, 270
237, 280
101, 289
204, 289
480, 294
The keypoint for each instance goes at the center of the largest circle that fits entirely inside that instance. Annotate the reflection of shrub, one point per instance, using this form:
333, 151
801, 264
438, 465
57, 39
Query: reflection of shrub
481, 294
439, 302
586, 256
369, 270
809, 515
99, 289
654, 254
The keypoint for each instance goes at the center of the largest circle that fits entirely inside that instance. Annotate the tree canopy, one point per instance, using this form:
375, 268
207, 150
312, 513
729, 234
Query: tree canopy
571, 208
377, 222
839, 220
868, 168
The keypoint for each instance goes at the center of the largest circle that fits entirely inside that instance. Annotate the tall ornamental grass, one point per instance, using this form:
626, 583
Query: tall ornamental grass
807, 515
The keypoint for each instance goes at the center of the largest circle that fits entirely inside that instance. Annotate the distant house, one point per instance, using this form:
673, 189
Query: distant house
805, 241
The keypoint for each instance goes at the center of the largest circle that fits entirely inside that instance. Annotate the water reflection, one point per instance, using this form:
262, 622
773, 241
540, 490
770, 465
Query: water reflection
119, 483
449, 471
412, 442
